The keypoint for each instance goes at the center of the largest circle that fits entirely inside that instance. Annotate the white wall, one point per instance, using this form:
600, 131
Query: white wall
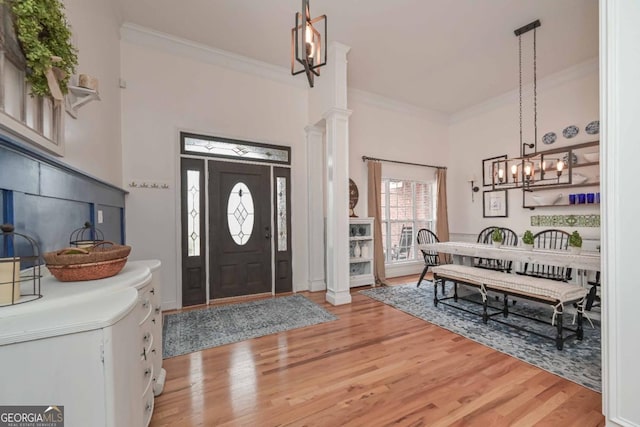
92, 141
168, 92
386, 129
492, 129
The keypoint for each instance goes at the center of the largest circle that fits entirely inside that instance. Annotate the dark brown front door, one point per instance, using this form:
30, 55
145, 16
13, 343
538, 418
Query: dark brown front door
239, 229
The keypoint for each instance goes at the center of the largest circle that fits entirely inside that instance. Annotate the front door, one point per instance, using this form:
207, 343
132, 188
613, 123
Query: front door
239, 229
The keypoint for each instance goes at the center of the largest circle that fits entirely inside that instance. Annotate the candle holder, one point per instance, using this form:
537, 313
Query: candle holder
86, 236
20, 261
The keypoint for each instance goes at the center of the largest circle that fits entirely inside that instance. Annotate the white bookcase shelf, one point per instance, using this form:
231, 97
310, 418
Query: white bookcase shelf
361, 252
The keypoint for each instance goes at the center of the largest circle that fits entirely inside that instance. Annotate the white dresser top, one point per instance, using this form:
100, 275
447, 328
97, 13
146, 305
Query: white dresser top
71, 307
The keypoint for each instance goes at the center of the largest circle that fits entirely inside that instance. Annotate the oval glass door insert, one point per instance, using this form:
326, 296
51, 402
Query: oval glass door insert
240, 213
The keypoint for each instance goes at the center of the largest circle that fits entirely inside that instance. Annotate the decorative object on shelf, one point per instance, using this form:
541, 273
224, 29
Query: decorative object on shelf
575, 242
573, 198
591, 197
357, 252
565, 220
574, 159
494, 204
592, 157
45, 38
527, 240
474, 188
88, 82
365, 251
582, 198
549, 138
362, 231
308, 43
353, 198
92, 263
19, 267
593, 128
86, 236
578, 178
570, 131
497, 237
546, 199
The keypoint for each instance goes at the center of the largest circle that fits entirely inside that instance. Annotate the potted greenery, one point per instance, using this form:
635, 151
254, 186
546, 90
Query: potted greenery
527, 240
497, 237
575, 242
45, 38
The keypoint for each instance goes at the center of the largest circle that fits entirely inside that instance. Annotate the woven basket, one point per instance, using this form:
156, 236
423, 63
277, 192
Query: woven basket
101, 251
91, 271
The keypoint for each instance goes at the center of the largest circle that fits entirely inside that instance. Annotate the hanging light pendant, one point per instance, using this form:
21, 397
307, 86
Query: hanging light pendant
308, 43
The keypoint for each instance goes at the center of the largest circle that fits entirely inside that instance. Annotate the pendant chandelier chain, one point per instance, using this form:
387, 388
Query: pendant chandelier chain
535, 92
520, 90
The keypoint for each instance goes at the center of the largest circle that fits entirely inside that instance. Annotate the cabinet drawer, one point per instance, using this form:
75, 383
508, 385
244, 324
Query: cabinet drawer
145, 308
147, 377
147, 406
147, 343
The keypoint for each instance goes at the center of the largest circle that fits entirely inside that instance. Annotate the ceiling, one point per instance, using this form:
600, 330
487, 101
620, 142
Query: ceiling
442, 55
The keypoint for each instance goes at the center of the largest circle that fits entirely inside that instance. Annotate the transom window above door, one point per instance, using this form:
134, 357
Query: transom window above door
233, 149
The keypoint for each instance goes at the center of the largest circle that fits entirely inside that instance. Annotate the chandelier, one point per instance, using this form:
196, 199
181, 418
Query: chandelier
308, 43
531, 168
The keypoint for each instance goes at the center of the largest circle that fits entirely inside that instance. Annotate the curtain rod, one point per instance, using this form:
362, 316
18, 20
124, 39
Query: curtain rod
365, 158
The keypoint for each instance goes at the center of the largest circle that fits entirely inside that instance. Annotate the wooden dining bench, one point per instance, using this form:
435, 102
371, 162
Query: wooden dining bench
557, 294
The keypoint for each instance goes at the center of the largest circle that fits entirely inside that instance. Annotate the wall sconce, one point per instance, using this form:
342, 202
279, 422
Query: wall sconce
474, 188
307, 43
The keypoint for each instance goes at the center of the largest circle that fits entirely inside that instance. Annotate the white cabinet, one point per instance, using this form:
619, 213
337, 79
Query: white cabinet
361, 252
94, 347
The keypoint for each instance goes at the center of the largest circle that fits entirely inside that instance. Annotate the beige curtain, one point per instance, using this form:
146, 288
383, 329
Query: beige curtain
442, 216
375, 212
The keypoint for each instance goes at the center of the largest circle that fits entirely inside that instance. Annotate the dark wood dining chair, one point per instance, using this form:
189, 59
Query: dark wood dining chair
431, 258
593, 300
509, 238
557, 240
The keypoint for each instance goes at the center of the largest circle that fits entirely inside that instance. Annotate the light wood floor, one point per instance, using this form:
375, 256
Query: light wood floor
375, 366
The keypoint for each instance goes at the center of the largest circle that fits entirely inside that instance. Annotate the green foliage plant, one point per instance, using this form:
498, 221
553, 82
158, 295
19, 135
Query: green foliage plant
575, 240
496, 235
43, 32
527, 238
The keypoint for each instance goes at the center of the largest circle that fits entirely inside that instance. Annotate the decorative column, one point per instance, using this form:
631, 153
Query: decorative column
337, 173
315, 194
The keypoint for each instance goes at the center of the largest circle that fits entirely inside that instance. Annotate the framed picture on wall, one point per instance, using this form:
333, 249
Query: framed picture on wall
494, 204
487, 169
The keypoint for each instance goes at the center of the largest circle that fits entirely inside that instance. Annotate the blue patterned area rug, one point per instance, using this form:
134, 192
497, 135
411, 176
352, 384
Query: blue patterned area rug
579, 361
196, 330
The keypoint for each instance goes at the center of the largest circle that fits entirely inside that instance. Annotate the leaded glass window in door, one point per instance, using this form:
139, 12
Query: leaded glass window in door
240, 213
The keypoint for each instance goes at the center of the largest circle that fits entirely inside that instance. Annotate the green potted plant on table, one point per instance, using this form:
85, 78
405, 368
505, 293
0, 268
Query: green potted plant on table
575, 242
527, 240
497, 237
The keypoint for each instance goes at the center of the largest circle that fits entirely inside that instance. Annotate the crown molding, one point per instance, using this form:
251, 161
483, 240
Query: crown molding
375, 100
568, 74
143, 36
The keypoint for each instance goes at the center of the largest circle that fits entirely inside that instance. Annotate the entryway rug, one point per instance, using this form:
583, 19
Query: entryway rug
196, 330
579, 361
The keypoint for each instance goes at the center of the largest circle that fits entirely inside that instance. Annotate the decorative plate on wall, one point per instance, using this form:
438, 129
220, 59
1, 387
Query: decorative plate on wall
570, 131
549, 138
593, 128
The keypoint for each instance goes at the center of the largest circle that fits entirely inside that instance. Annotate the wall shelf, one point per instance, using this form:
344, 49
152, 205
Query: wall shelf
361, 252
77, 97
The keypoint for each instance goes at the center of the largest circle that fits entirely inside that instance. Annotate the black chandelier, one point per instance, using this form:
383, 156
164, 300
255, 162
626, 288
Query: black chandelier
531, 167
308, 43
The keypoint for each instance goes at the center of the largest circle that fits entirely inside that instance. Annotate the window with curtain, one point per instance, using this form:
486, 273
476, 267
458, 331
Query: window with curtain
407, 206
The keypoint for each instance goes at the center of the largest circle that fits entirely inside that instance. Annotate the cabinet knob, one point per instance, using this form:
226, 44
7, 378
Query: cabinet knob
146, 336
145, 304
147, 372
153, 291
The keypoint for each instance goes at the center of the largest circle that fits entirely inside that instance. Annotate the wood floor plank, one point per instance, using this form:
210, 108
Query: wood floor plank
374, 366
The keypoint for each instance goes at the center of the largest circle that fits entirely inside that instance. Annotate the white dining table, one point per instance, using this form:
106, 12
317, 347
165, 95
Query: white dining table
464, 252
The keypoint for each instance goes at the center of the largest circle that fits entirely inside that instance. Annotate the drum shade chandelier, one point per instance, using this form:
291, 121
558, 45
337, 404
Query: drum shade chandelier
308, 43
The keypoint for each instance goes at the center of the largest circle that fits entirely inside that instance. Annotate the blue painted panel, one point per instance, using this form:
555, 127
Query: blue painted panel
58, 183
18, 173
49, 221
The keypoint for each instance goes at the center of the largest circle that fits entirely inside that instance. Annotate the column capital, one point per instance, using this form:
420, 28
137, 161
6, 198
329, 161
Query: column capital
313, 130
337, 112
339, 48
